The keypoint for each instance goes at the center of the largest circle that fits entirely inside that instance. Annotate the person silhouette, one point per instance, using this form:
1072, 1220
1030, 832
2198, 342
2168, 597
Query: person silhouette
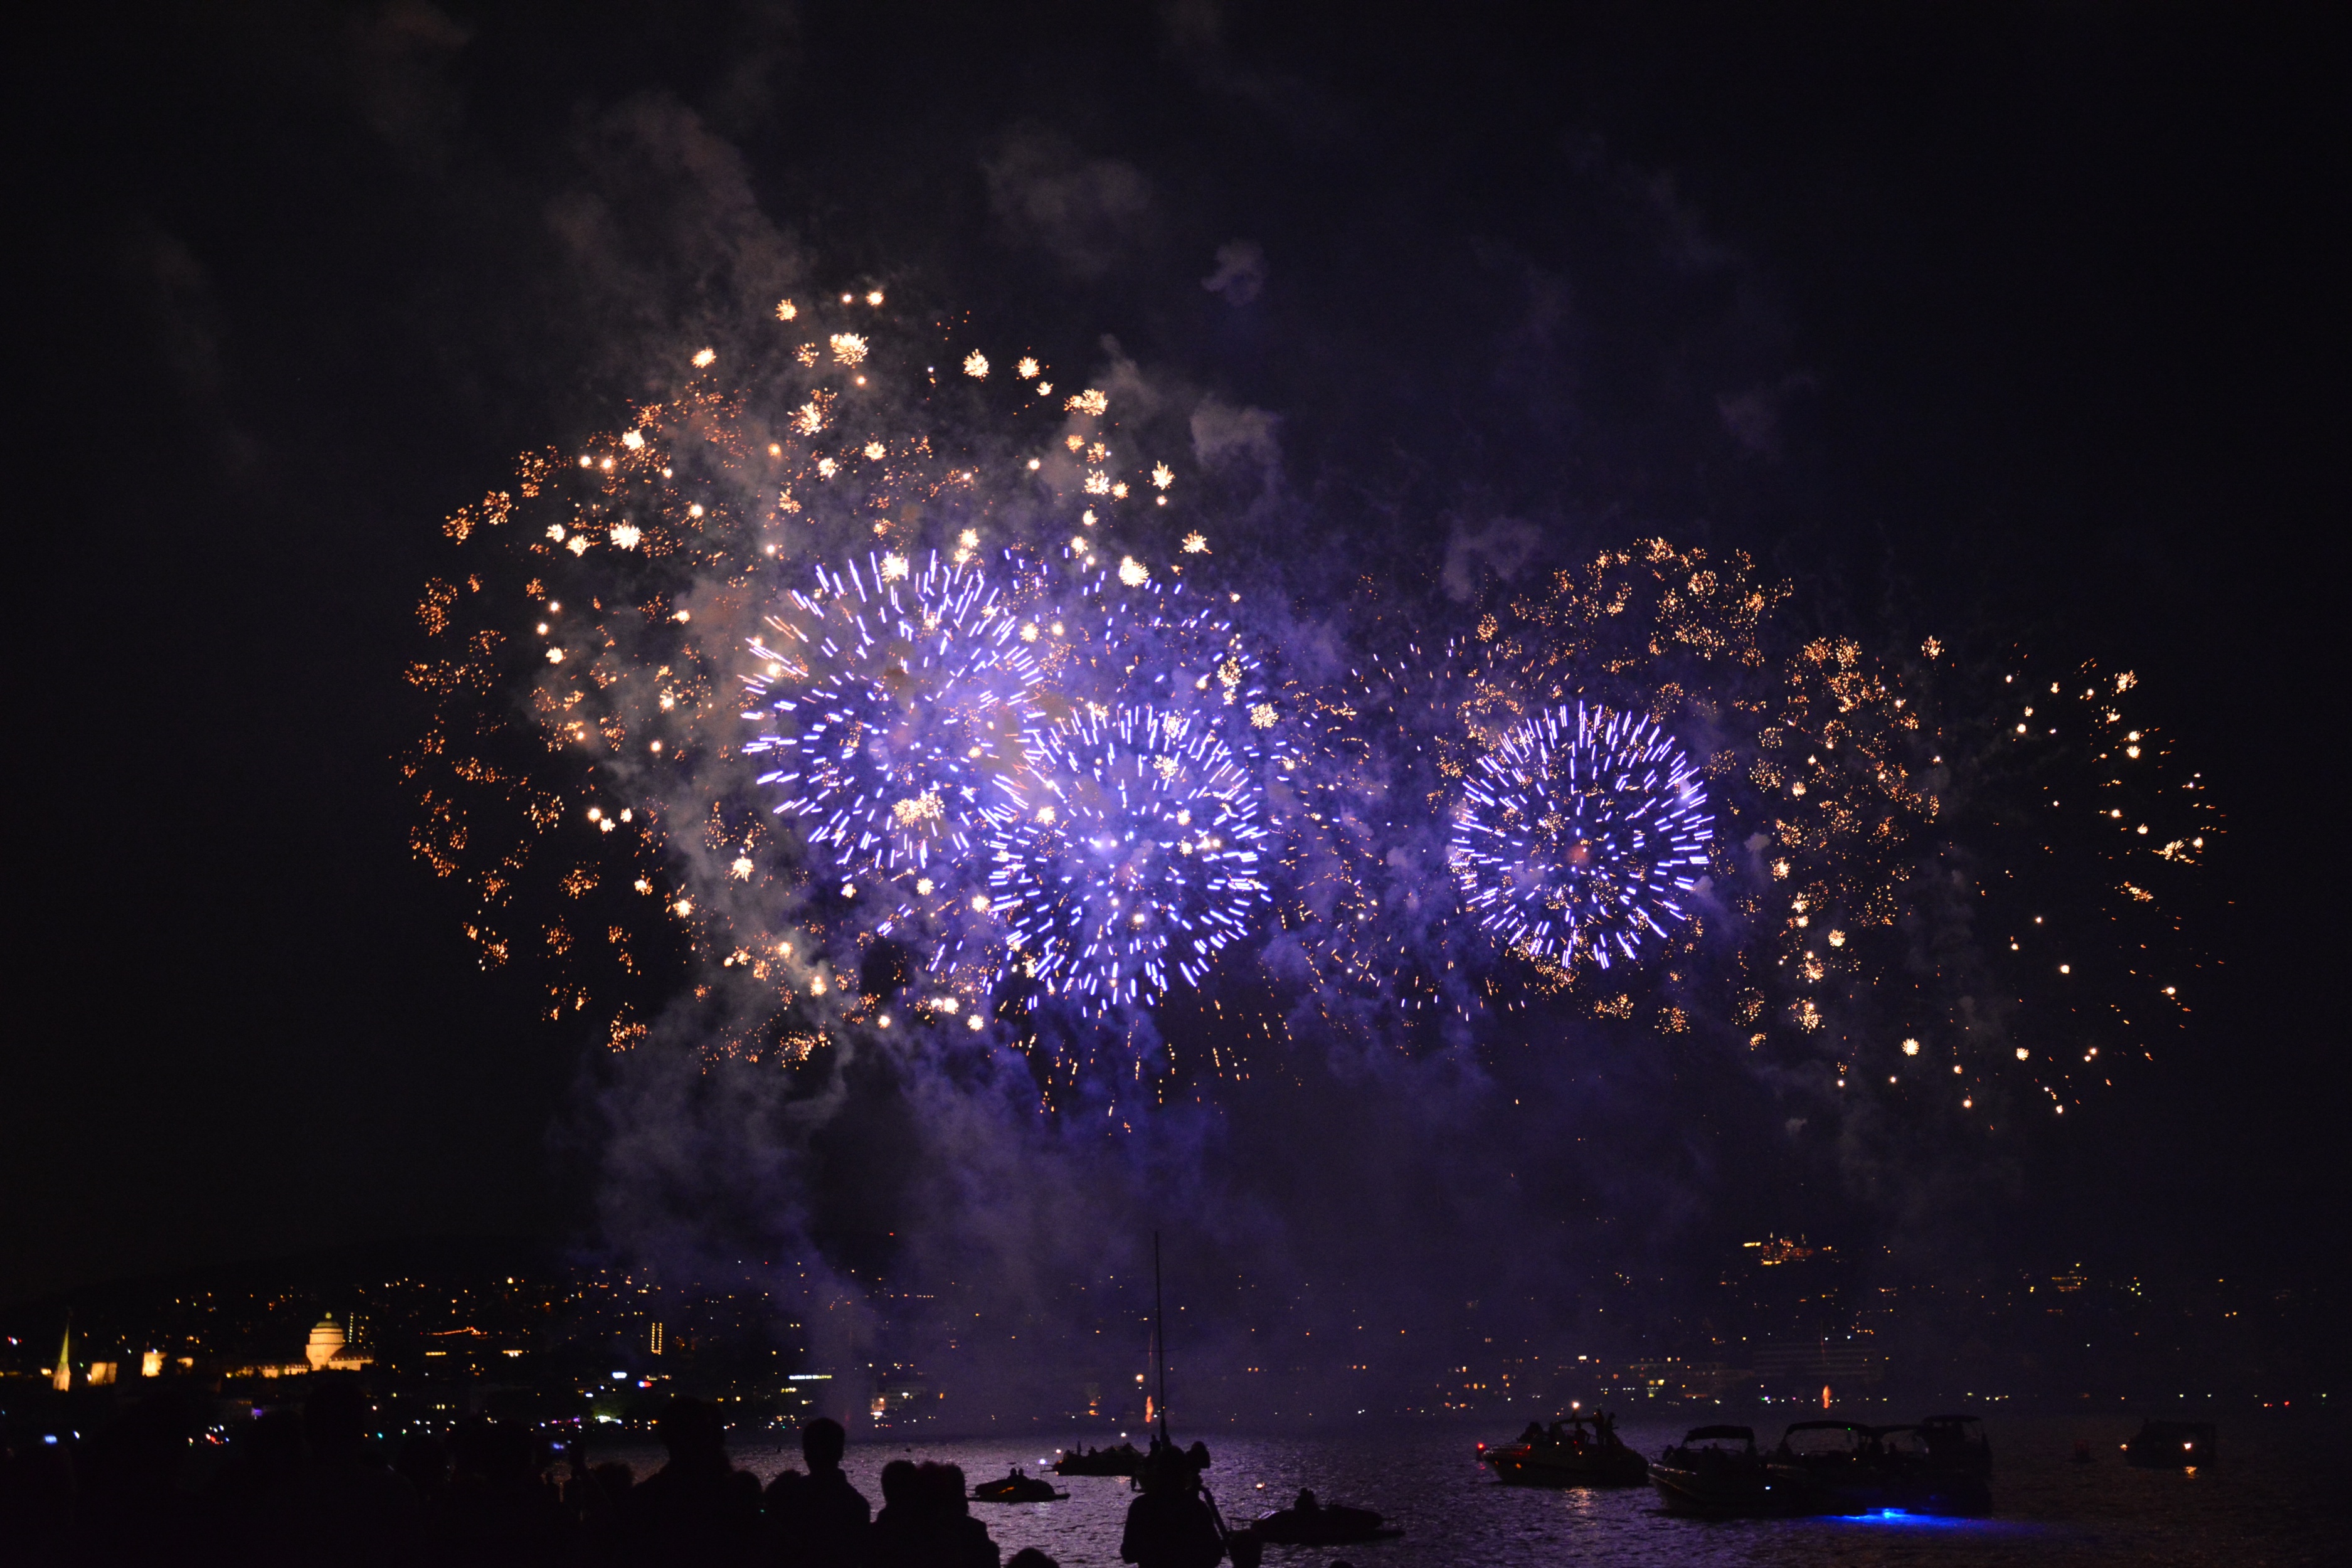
697, 1507
1171, 1525
925, 1522
819, 1519
362, 1509
497, 1509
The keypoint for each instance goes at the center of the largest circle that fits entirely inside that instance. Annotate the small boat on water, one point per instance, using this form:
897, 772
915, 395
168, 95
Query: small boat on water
1582, 1450
1124, 1460
1831, 1467
1018, 1487
1308, 1522
1942, 1465
2172, 1446
1718, 1471
1958, 1443
1932, 1468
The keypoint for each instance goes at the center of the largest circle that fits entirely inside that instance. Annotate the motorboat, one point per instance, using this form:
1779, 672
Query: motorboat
1717, 1471
1309, 1522
2172, 1446
1958, 1443
1018, 1487
1126, 1460
1923, 1467
1582, 1450
1831, 1467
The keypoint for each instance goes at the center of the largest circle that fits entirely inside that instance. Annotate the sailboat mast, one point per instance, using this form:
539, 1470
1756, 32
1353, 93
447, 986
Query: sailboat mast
1160, 1328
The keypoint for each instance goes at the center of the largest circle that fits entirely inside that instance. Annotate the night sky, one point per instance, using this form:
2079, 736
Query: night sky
2016, 323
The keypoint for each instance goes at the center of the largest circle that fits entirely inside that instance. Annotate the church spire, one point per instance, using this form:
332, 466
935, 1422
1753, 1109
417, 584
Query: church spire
62, 1379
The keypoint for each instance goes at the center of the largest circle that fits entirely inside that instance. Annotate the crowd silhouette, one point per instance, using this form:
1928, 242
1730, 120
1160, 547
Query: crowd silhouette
313, 1488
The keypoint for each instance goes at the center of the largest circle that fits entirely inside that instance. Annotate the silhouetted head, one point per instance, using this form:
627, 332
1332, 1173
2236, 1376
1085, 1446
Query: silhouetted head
334, 1418
276, 1442
1167, 1470
425, 1461
493, 1454
1030, 1557
694, 1433
136, 1457
36, 1492
822, 1442
899, 1486
940, 1488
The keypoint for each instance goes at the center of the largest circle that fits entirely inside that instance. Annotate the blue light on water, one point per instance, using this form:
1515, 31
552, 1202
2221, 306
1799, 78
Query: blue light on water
1905, 1519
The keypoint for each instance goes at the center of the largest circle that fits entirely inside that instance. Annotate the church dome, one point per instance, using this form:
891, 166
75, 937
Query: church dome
326, 1342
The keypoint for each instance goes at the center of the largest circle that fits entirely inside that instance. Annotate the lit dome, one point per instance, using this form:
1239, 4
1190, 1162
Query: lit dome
326, 1343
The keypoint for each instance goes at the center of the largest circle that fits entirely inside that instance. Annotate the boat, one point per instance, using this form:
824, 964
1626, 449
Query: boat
1929, 1468
1309, 1522
2172, 1446
1018, 1487
1958, 1443
1941, 1465
1124, 1460
1717, 1471
1831, 1466
1582, 1450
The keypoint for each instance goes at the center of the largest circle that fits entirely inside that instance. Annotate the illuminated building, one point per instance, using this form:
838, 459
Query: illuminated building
327, 1351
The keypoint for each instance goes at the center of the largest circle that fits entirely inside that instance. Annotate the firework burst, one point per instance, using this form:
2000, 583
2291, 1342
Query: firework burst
893, 701
806, 525
1141, 857
1579, 836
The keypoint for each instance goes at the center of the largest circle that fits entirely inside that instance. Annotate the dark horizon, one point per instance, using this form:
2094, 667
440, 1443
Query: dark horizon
2012, 328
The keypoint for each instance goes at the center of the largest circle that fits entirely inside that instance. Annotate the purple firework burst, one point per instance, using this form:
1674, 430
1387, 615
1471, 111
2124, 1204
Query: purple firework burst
1577, 836
1140, 857
894, 701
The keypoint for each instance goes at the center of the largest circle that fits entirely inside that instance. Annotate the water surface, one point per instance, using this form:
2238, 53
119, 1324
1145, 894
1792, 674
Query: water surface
2275, 1498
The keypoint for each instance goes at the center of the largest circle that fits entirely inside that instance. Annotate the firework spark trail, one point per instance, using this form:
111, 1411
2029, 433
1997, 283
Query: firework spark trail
1578, 833
1141, 859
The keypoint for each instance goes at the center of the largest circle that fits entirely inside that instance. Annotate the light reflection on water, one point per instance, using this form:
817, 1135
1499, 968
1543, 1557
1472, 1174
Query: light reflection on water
1903, 1519
2269, 1501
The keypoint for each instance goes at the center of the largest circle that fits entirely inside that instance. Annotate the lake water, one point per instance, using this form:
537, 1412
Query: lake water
2276, 1497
